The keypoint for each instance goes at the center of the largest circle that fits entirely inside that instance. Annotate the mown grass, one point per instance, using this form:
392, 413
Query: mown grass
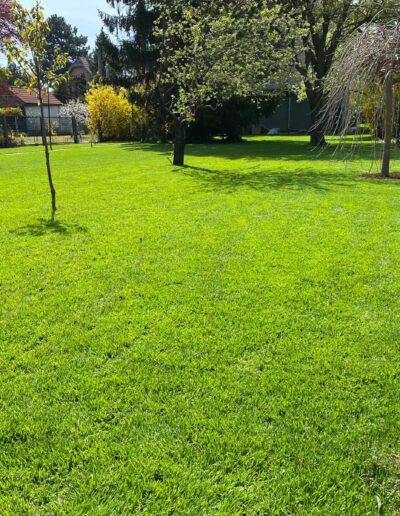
218, 339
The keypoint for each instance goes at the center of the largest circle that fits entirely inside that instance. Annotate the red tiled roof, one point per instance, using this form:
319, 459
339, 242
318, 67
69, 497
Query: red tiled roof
23, 95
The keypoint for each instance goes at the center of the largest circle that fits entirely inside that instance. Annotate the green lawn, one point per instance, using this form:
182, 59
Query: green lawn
221, 339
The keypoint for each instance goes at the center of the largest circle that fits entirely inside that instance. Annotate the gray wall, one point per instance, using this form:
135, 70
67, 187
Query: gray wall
290, 116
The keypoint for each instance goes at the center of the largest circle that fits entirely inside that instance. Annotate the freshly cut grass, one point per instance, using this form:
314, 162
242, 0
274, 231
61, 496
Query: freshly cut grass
218, 339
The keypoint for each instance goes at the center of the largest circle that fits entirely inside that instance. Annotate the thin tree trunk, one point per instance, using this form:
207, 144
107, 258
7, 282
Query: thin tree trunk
179, 145
388, 86
49, 113
46, 150
75, 129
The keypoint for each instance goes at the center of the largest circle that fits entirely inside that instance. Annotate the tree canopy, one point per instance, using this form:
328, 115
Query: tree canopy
212, 51
134, 58
324, 25
66, 38
8, 28
369, 59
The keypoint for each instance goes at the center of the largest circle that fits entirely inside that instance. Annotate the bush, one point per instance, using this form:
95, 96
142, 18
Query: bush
110, 113
10, 111
15, 139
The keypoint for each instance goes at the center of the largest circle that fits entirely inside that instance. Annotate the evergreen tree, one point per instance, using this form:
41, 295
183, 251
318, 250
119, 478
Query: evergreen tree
64, 37
106, 61
134, 61
14, 74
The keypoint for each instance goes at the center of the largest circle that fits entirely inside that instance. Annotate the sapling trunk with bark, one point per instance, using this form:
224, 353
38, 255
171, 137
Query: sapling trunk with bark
388, 88
29, 54
46, 150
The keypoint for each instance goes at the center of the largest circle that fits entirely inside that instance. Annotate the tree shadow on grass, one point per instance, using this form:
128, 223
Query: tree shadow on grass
261, 180
271, 150
51, 226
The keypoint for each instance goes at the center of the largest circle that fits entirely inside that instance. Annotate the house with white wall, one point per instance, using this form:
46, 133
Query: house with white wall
11, 96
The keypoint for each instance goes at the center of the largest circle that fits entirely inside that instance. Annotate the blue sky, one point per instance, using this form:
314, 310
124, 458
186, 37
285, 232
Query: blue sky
80, 13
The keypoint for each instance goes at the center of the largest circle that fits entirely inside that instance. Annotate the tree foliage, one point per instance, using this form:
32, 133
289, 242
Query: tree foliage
75, 109
369, 59
8, 29
110, 112
29, 55
212, 51
64, 38
372, 110
134, 59
324, 24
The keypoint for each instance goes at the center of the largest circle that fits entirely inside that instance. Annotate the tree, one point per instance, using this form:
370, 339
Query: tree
368, 59
8, 29
132, 62
14, 74
74, 89
110, 113
76, 109
106, 61
134, 59
78, 112
30, 57
211, 51
324, 25
65, 38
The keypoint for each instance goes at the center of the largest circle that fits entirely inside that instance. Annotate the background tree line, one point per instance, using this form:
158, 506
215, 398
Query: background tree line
273, 47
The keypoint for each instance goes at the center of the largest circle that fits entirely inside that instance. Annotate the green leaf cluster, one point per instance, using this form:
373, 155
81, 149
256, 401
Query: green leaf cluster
212, 51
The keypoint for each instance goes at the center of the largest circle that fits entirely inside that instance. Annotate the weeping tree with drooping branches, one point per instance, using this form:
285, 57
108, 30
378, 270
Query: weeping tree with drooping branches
370, 59
324, 24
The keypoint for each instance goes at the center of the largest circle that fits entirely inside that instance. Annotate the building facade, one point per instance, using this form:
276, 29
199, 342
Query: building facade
11, 96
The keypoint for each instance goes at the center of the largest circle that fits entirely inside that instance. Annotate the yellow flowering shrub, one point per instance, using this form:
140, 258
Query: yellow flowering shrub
110, 112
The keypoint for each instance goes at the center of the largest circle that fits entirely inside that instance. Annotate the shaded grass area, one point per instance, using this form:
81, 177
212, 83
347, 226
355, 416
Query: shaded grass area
217, 339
